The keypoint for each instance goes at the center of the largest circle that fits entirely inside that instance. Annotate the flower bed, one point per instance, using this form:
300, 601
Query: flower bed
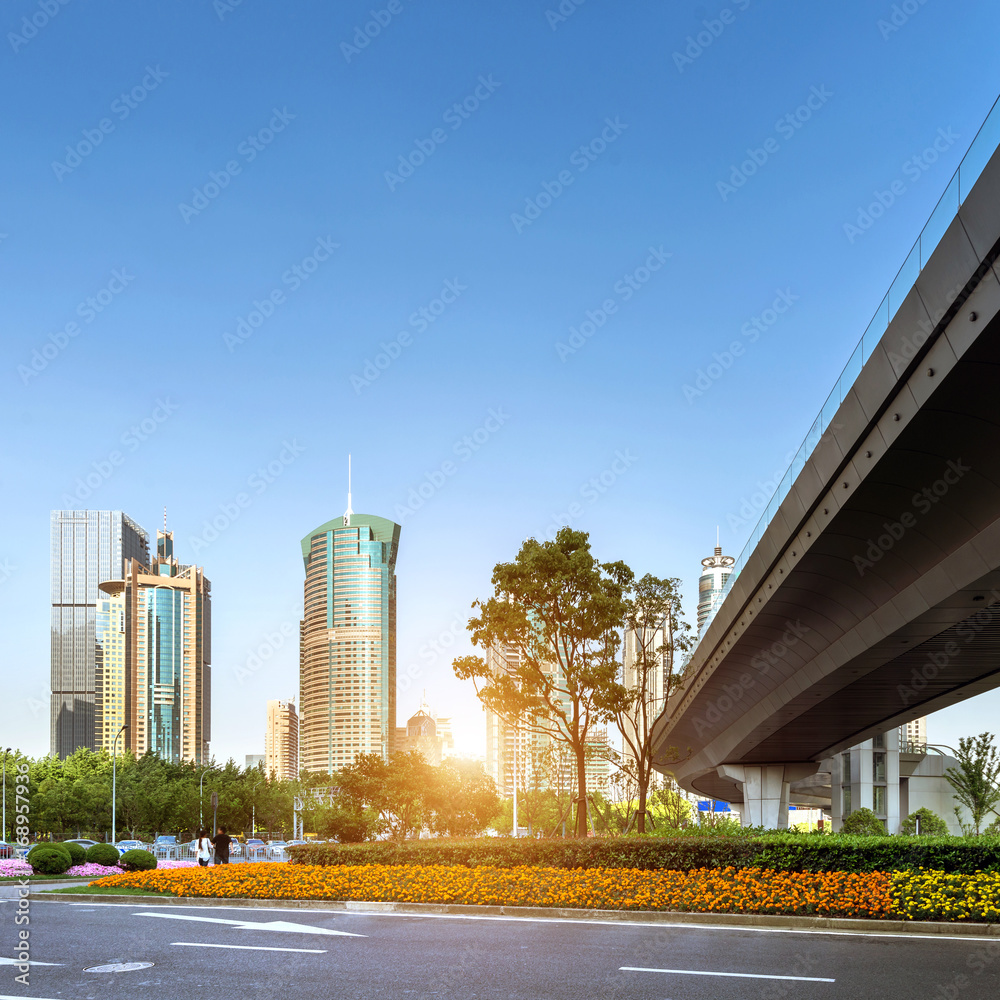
727, 890
18, 868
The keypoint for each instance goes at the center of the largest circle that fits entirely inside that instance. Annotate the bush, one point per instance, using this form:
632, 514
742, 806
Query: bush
777, 851
931, 825
863, 823
76, 851
50, 859
103, 854
137, 860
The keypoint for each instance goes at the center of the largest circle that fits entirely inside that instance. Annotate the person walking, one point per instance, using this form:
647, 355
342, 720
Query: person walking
222, 842
204, 848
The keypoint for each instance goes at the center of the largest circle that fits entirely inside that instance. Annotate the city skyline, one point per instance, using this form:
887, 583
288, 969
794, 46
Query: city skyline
636, 351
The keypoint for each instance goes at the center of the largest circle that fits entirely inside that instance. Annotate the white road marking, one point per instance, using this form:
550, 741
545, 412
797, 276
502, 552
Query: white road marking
251, 925
243, 947
14, 961
734, 975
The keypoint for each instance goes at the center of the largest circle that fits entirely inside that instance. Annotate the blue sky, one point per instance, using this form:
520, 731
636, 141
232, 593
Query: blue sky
254, 139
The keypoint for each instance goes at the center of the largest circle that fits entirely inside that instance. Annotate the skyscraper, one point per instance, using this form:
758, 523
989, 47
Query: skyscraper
347, 644
87, 548
715, 571
153, 658
281, 740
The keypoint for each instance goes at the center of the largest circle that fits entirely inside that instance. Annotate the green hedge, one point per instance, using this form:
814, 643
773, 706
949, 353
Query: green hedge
76, 851
50, 859
103, 854
137, 860
788, 852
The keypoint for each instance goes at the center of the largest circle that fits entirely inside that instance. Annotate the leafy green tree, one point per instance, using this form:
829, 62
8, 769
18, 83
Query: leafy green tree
931, 825
975, 778
863, 823
461, 805
559, 611
395, 790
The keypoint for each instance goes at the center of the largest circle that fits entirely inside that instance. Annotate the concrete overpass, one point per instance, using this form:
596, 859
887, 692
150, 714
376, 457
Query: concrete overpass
869, 594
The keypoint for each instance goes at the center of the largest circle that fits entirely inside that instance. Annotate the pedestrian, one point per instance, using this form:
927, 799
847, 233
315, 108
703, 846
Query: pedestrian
222, 842
204, 848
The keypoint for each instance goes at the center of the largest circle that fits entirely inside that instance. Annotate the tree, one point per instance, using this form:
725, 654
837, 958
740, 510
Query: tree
396, 791
975, 778
461, 804
669, 807
558, 611
656, 636
863, 823
931, 825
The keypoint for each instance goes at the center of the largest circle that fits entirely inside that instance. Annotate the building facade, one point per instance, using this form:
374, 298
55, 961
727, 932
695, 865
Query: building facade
281, 740
347, 642
87, 547
715, 571
153, 658
427, 733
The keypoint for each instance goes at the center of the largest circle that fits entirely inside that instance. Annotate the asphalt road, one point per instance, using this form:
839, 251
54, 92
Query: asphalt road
413, 957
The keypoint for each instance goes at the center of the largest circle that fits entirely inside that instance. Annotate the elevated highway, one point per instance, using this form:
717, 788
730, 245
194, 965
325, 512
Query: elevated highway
869, 594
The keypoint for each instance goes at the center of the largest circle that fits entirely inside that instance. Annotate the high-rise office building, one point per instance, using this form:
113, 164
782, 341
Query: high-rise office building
715, 571
427, 733
281, 740
87, 548
914, 733
642, 654
347, 643
153, 658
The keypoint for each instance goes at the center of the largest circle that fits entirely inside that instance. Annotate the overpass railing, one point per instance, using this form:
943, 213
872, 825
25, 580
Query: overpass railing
973, 163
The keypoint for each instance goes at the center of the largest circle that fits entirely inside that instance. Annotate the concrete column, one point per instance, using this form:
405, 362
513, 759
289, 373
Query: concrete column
765, 790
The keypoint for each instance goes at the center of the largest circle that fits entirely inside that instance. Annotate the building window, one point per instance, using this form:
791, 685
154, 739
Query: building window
878, 767
878, 742
846, 769
847, 801
878, 800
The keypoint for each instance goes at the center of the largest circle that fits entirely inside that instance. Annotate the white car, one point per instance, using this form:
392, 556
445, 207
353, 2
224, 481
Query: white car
276, 847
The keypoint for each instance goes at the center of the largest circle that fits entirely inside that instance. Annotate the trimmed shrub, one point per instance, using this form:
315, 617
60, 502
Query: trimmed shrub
49, 859
863, 823
777, 851
137, 860
62, 847
103, 854
931, 825
76, 851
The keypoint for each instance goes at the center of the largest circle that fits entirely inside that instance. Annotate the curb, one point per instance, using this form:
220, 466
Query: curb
760, 920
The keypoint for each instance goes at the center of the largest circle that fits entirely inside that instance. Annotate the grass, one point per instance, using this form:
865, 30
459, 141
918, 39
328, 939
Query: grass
47, 878
108, 891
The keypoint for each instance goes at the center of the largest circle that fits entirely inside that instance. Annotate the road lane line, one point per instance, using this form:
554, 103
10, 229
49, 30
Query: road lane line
284, 926
734, 975
243, 947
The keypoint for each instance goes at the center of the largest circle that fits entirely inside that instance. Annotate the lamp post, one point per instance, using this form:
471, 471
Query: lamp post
3, 836
253, 807
201, 793
114, 780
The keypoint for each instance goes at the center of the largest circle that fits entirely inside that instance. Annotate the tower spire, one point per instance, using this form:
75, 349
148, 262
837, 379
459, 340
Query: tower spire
349, 511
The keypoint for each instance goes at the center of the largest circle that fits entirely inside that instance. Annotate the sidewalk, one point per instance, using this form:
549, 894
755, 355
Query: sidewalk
839, 924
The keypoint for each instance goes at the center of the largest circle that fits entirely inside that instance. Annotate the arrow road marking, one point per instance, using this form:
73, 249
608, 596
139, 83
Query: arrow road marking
251, 925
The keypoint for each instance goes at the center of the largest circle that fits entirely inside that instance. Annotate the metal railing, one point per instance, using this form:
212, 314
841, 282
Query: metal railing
983, 146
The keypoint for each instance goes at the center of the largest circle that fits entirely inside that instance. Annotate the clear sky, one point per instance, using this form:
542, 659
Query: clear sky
307, 230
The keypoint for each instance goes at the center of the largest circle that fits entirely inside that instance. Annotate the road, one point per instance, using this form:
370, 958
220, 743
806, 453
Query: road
224, 952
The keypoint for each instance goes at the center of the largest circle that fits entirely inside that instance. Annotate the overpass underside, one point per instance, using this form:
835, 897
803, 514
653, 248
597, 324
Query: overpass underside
873, 596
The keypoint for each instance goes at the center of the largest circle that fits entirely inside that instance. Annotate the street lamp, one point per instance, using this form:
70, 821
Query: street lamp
253, 821
201, 792
3, 837
114, 781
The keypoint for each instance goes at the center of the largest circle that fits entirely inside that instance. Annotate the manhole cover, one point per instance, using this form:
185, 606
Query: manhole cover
120, 967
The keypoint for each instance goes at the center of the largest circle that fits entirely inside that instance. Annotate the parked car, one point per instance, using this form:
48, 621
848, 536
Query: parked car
276, 847
7, 850
83, 843
165, 846
129, 845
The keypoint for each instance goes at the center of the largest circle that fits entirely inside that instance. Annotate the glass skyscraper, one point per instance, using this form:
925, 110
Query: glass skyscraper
715, 571
154, 653
347, 647
87, 548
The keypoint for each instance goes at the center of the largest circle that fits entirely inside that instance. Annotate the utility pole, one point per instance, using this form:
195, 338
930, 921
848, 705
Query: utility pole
114, 780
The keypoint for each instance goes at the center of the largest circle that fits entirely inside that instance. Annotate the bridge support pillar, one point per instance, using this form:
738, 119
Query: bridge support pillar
765, 790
